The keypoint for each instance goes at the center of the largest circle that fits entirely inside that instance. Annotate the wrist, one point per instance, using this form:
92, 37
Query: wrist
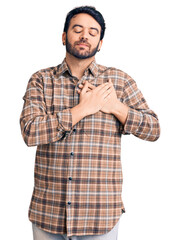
120, 111
116, 107
82, 109
77, 113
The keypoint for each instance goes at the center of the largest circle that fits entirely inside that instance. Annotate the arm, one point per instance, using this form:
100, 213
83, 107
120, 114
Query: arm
120, 111
37, 126
133, 112
140, 121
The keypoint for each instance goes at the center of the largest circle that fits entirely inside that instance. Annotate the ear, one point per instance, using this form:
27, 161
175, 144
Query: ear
100, 44
64, 38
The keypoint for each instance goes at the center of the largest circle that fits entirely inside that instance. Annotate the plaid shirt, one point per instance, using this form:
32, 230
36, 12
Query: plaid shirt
78, 173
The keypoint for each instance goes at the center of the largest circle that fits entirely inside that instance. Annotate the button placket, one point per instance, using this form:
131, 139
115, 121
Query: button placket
70, 170
72, 133
70, 178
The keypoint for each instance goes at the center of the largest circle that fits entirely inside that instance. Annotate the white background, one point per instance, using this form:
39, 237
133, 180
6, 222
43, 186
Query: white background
142, 39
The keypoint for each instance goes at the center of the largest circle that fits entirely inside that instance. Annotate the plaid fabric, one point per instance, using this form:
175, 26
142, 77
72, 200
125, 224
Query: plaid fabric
78, 173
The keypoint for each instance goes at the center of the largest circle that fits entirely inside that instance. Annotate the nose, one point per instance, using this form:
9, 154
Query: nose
84, 35
83, 39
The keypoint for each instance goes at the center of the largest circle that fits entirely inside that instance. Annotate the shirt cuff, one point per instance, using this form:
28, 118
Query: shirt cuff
134, 120
65, 120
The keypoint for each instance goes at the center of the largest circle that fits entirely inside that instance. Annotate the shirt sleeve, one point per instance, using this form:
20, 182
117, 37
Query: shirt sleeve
141, 120
38, 127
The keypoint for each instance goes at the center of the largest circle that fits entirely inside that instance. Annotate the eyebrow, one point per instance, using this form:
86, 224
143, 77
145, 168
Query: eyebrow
77, 25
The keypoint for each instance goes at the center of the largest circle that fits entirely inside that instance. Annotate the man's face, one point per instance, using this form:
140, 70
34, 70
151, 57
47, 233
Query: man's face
83, 36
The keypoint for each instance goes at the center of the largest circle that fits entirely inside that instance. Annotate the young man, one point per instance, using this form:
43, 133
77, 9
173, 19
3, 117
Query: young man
75, 113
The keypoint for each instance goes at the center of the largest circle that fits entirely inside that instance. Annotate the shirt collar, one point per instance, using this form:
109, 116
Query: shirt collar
63, 67
93, 68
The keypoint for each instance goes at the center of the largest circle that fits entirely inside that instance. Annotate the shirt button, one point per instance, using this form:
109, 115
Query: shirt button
72, 153
69, 203
70, 178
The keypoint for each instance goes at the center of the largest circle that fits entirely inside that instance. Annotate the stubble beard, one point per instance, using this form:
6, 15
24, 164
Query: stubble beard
76, 53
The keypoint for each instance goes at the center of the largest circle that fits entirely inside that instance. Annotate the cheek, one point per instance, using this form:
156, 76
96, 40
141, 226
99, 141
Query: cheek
94, 44
71, 38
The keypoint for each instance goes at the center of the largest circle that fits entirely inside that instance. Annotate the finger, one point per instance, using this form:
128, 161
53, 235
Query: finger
84, 88
104, 88
107, 92
101, 86
81, 85
110, 81
78, 90
89, 86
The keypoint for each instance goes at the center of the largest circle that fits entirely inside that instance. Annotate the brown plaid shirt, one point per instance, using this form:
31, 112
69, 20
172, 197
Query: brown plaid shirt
78, 173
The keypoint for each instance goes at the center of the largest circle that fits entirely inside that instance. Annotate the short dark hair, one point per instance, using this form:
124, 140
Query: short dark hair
89, 10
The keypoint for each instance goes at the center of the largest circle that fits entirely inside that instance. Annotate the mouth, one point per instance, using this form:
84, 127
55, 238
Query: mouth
82, 45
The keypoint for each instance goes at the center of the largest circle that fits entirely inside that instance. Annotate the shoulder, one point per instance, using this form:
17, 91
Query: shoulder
45, 72
43, 75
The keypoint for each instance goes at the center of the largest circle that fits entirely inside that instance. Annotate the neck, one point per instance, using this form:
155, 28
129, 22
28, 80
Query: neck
78, 66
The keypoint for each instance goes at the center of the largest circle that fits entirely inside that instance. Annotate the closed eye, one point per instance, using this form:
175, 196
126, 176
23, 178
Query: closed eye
92, 34
92, 31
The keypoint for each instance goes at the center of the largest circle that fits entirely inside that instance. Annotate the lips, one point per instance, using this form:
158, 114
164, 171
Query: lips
82, 44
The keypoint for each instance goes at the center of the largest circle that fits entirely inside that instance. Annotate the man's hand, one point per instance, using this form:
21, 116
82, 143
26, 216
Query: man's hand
94, 98
110, 104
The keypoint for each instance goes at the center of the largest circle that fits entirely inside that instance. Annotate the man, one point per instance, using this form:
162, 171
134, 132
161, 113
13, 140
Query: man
75, 113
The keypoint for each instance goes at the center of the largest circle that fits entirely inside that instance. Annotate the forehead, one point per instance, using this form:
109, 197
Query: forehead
85, 20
